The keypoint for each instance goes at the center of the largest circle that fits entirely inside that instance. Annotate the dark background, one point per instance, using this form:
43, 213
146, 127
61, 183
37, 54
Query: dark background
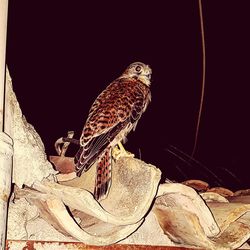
62, 54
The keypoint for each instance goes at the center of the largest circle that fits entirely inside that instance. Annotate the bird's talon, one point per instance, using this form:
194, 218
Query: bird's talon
119, 151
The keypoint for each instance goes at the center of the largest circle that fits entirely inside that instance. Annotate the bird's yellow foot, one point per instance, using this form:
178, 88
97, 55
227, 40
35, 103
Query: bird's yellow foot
119, 151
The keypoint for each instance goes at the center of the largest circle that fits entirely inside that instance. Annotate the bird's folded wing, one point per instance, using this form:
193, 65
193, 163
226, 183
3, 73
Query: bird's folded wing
88, 154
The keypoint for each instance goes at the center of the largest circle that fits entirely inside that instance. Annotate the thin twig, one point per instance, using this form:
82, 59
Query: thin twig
232, 174
180, 155
203, 79
139, 153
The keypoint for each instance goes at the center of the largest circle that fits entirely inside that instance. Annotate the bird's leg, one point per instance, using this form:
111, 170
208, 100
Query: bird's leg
119, 151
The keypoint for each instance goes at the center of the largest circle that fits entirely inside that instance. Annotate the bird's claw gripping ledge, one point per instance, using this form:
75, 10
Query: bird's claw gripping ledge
119, 151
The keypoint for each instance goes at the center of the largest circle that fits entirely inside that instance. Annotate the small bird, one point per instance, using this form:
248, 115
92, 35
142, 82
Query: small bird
112, 116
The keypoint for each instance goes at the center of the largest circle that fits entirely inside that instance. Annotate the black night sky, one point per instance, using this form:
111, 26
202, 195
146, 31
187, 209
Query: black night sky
62, 54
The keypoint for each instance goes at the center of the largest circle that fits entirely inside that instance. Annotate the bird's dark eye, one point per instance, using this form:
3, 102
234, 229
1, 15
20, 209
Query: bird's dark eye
138, 68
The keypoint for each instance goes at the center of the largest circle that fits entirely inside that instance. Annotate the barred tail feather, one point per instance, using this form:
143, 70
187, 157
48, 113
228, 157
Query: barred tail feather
103, 175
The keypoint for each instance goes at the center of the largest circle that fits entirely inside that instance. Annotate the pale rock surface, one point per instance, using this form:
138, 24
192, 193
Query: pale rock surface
150, 233
17, 218
25, 223
245, 246
39, 229
27, 144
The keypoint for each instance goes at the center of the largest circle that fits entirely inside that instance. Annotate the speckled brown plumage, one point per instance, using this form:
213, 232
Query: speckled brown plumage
112, 116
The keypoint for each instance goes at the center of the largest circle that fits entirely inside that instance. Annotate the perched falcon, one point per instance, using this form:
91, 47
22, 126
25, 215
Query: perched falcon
112, 116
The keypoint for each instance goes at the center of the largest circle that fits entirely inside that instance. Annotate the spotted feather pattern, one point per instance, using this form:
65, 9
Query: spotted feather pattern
112, 116
103, 175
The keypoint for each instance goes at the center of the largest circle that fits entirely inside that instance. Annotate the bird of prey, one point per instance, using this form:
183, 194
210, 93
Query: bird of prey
112, 116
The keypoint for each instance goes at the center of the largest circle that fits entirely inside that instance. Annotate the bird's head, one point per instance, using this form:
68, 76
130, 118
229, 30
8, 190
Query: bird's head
139, 71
